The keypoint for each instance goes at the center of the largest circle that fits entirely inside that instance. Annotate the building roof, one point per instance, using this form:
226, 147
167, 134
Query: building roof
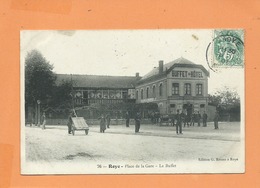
155, 70
180, 62
98, 81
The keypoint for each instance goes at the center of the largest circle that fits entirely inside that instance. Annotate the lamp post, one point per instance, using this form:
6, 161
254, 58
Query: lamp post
38, 113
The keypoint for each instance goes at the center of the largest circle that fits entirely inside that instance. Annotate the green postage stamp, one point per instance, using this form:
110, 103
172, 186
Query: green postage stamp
228, 48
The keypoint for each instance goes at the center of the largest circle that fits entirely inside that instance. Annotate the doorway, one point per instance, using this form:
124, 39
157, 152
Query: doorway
189, 109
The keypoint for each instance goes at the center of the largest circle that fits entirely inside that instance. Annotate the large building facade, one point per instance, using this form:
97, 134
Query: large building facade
177, 85
96, 94
96, 89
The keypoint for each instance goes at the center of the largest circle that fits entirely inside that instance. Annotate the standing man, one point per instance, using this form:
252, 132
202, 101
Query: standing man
157, 117
183, 118
137, 121
187, 119
216, 118
43, 120
108, 120
102, 123
204, 119
173, 120
198, 118
178, 123
70, 122
127, 117
192, 119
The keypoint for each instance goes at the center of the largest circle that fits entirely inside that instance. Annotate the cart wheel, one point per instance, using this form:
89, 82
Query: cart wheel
86, 131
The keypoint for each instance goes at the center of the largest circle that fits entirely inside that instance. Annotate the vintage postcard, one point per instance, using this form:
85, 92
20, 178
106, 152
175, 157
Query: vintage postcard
132, 101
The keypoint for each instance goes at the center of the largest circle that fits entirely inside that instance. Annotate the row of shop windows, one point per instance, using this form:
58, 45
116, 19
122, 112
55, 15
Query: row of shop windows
185, 106
175, 90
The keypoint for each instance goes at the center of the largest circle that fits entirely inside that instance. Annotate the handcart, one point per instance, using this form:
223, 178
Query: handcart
79, 124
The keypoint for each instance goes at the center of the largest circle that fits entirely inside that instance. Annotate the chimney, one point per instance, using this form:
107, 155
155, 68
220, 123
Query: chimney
137, 75
160, 66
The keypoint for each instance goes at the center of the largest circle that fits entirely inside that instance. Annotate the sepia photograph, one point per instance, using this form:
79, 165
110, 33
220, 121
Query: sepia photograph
162, 101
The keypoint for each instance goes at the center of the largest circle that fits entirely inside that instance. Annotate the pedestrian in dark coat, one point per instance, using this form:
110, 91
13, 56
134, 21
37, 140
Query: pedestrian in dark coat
173, 119
137, 121
108, 120
157, 117
152, 117
183, 118
192, 120
204, 119
198, 118
70, 122
178, 123
187, 120
216, 119
127, 119
102, 123
43, 120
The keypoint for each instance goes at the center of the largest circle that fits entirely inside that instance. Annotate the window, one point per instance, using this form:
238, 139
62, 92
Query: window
187, 89
199, 89
154, 95
175, 89
147, 92
124, 94
136, 94
142, 93
172, 105
160, 89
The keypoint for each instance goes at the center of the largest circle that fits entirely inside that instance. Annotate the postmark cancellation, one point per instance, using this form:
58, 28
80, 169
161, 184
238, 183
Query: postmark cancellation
227, 49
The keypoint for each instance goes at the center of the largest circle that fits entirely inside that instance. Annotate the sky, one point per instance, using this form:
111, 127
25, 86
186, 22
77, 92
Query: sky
126, 52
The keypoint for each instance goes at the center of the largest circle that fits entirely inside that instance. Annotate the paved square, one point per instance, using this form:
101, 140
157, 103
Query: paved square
119, 144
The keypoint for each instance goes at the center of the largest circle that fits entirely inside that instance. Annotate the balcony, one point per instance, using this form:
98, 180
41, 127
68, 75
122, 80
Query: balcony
86, 102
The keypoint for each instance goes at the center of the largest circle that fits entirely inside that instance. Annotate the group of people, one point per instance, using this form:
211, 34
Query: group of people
182, 118
179, 120
194, 118
137, 120
105, 121
41, 123
188, 120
